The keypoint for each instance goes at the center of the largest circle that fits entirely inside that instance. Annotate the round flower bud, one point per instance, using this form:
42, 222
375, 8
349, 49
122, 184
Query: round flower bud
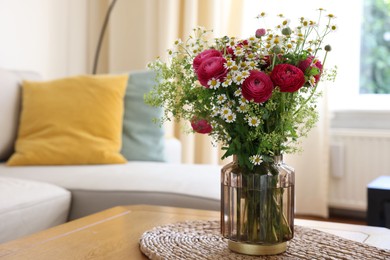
260, 32
328, 47
276, 49
286, 31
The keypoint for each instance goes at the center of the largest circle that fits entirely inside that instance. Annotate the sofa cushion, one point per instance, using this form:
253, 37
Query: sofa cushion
143, 140
10, 89
28, 206
75, 120
98, 187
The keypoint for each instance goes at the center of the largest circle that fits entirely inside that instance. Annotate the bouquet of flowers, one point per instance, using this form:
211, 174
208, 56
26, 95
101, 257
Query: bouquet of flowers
255, 96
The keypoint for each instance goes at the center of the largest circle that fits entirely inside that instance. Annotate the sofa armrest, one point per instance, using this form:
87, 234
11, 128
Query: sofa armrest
172, 150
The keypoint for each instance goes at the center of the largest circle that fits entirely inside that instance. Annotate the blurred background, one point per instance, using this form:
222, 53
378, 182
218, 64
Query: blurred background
351, 144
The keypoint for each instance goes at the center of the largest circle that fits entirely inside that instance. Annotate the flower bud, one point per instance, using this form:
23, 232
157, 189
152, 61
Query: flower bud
328, 48
286, 31
276, 49
260, 32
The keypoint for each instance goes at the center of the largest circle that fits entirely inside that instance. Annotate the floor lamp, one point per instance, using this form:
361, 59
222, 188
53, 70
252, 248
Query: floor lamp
102, 31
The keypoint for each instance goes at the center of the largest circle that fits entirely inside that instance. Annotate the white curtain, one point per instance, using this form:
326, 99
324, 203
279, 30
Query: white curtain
312, 167
141, 30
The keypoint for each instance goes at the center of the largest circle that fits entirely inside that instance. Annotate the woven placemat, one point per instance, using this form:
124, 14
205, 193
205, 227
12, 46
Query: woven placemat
202, 240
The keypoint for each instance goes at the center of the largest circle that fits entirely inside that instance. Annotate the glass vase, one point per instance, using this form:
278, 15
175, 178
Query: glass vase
257, 210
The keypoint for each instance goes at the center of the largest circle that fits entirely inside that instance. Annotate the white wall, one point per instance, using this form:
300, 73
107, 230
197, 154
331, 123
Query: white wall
47, 36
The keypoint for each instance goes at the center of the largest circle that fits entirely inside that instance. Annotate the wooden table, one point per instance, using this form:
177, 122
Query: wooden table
114, 234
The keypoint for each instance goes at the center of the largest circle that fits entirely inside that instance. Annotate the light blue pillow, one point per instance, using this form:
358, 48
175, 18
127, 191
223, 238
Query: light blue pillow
142, 139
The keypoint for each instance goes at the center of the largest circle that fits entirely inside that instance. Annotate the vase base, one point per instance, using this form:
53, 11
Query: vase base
254, 249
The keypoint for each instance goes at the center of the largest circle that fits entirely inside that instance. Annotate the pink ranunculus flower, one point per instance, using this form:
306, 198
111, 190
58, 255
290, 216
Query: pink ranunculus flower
287, 77
304, 65
212, 68
201, 126
257, 87
203, 56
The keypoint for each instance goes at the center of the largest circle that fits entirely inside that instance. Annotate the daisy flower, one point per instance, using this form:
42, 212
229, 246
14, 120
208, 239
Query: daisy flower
229, 63
225, 111
253, 121
226, 83
256, 159
239, 79
238, 51
237, 93
242, 108
215, 112
243, 101
230, 118
221, 98
213, 83
231, 103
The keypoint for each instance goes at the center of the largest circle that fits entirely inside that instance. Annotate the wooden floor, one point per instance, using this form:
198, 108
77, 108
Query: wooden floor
339, 219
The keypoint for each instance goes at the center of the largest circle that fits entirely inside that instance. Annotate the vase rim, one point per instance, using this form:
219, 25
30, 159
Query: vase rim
277, 157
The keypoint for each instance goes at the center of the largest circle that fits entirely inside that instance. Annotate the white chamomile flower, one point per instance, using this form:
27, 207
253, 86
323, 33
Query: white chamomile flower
225, 111
243, 101
256, 159
214, 83
178, 41
226, 83
252, 39
239, 79
237, 93
238, 51
234, 68
242, 108
221, 98
252, 65
230, 118
253, 121
243, 65
213, 124
215, 112
232, 41
229, 63
250, 56
231, 103
312, 80
245, 74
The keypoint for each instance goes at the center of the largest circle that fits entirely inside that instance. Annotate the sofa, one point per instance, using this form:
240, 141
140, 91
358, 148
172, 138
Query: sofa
65, 192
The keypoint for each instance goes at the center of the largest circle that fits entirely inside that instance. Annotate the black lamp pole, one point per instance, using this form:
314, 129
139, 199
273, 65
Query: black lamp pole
99, 46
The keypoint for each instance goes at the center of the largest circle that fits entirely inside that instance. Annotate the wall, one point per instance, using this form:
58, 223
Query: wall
47, 36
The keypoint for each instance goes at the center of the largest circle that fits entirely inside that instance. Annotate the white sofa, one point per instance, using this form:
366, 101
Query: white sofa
93, 188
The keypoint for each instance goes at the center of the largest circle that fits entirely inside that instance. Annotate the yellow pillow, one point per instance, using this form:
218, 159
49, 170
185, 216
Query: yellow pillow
75, 120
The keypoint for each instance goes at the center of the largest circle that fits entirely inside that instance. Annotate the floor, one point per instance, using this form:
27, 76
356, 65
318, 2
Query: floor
341, 216
339, 219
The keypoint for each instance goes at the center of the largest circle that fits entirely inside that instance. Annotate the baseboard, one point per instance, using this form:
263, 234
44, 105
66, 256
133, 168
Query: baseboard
347, 213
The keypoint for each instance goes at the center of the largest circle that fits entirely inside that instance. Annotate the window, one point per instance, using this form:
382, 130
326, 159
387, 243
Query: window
375, 48
349, 47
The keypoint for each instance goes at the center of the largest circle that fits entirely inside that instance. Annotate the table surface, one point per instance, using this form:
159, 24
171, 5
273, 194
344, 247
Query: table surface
114, 234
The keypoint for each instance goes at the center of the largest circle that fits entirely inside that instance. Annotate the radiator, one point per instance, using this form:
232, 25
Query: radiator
357, 157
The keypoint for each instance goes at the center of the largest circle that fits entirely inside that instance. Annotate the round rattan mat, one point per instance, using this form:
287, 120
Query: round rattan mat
202, 240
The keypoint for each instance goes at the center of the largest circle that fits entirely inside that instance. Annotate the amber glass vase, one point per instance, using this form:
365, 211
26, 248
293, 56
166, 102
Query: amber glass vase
257, 209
